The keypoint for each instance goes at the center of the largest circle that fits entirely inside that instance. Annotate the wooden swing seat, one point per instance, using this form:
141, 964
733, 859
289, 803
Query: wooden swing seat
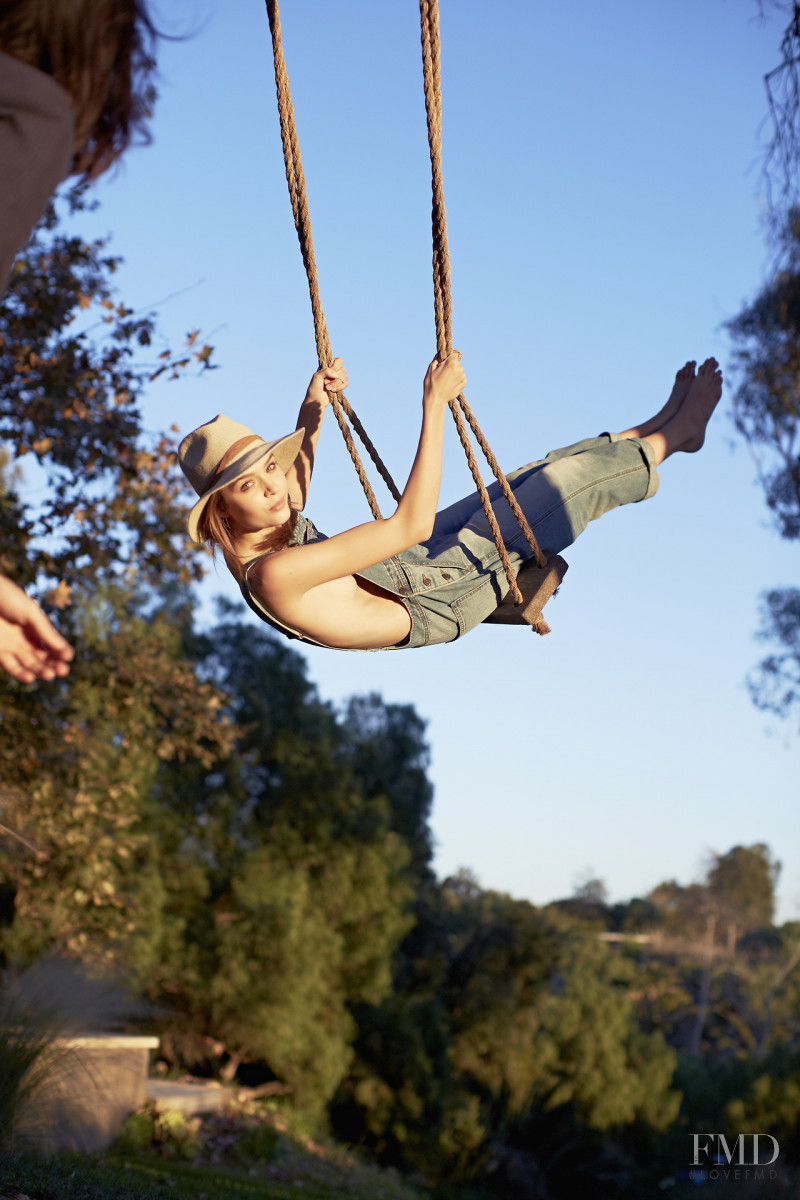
537, 585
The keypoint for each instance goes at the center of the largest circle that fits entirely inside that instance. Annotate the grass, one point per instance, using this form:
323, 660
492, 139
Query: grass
111, 1178
145, 1176
246, 1151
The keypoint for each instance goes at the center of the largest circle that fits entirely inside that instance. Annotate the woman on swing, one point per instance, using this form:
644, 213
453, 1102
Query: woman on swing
417, 577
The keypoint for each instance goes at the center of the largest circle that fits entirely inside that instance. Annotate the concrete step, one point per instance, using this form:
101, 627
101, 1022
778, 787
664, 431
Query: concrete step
192, 1099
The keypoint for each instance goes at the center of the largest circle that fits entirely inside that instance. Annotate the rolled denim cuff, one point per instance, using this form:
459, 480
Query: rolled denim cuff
648, 454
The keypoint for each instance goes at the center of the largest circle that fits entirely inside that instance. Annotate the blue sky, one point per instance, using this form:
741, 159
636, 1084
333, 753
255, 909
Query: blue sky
604, 199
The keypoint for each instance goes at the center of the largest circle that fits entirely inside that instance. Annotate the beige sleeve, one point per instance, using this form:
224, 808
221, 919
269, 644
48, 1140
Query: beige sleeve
36, 135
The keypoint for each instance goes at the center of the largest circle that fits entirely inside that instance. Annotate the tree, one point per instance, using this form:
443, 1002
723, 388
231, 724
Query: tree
766, 338
306, 884
499, 967
718, 978
589, 901
394, 1098
772, 1102
742, 886
389, 758
767, 358
449, 1052
589, 1050
71, 378
591, 890
499, 1010
775, 685
78, 760
294, 956
681, 908
782, 83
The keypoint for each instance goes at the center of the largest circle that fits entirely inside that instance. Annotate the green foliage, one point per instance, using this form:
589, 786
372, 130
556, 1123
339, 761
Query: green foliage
722, 980
175, 1135
394, 1098
137, 1133
553, 1151
269, 1146
591, 1054
767, 357
168, 1133
682, 910
518, 1045
738, 892
775, 687
766, 338
70, 382
386, 749
635, 916
237, 1134
302, 870
505, 956
302, 919
499, 1010
743, 1095
78, 762
742, 885
771, 1104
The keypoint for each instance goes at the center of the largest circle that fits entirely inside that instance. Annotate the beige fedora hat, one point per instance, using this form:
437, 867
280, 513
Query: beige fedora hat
201, 454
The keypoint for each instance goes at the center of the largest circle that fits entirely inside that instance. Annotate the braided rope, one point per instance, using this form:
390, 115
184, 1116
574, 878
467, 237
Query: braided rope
431, 69
429, 15
302, 221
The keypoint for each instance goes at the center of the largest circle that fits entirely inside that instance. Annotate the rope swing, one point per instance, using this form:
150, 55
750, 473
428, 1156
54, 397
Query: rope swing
302, 222
538, 578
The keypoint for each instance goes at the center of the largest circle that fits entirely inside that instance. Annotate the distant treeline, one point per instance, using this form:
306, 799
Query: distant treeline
260, 867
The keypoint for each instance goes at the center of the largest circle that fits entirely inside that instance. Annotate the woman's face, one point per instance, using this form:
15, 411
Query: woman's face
258, 500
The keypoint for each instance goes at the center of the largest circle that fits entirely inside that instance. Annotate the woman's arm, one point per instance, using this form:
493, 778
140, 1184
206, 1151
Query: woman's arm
312, 411
299, 568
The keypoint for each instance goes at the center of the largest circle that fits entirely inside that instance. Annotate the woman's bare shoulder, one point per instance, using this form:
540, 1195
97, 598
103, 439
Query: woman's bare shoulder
271, 568
291, 569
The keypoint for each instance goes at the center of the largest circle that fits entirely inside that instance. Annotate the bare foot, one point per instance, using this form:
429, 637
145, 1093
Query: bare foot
687, 429
701, 400
680, 390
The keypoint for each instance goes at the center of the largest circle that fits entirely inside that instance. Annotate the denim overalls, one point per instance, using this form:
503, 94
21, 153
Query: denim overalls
454, 580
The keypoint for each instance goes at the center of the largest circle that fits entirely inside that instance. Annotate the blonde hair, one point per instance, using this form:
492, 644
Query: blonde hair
101, 52
214, 530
